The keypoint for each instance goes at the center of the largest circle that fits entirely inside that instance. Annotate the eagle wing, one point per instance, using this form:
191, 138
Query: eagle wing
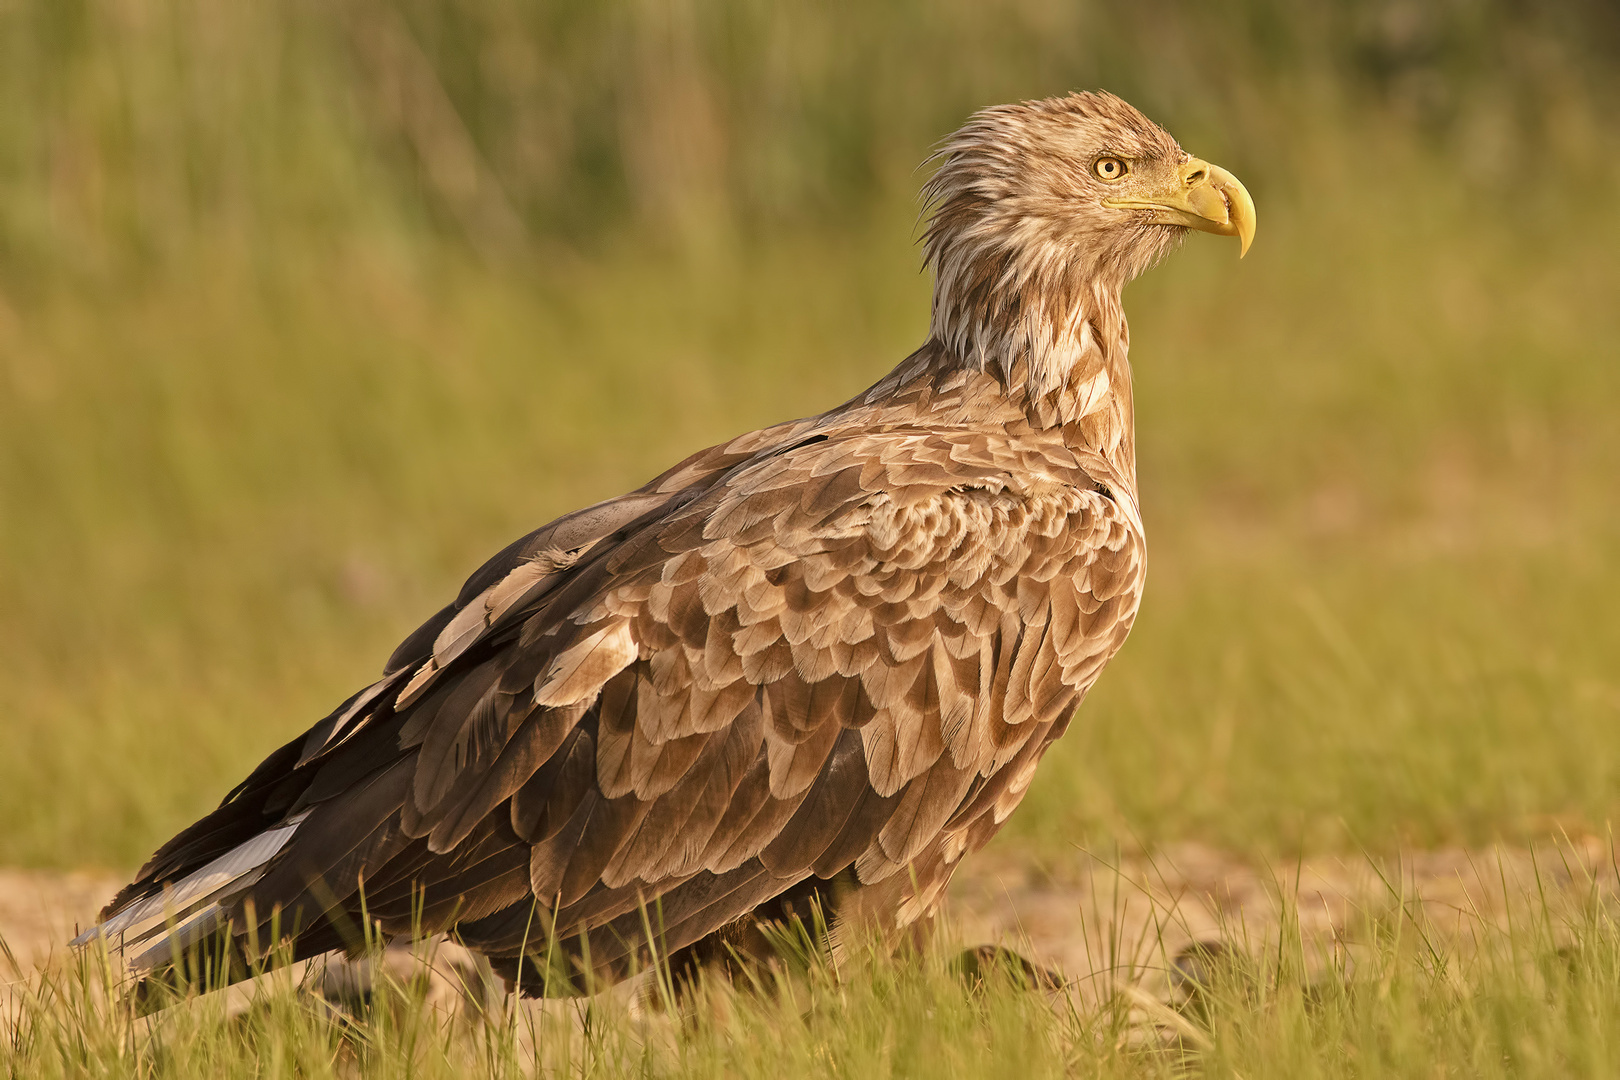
820, 651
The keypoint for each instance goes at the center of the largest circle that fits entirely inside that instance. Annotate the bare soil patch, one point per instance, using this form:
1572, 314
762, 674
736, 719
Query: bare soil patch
41, 910
1141, 921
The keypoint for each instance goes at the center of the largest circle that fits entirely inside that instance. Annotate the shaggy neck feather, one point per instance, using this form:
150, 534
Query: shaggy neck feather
1058, 348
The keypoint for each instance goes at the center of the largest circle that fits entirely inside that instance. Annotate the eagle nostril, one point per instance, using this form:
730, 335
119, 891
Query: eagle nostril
1197, 176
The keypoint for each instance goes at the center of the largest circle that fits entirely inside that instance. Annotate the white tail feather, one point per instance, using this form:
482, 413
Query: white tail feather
235, 870
181, 938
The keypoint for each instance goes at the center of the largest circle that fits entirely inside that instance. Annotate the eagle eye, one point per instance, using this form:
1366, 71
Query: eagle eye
1110, 168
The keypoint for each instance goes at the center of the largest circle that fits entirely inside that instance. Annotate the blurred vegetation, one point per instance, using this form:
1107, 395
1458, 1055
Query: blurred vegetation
134, 128
307, 307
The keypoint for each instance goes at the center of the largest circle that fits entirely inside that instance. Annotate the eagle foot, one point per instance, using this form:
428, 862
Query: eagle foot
973, 966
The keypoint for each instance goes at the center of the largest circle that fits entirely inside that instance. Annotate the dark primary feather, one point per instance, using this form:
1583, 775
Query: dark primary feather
834, 648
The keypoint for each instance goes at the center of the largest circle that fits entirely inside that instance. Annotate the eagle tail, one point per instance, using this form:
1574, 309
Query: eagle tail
194, 907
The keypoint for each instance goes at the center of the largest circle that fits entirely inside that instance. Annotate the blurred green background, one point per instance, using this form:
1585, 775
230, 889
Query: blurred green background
308, 306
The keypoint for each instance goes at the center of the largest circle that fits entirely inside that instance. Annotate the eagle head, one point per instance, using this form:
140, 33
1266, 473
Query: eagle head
1040, 212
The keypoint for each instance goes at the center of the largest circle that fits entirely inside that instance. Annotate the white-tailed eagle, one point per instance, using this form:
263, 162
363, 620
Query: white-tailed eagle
820, 660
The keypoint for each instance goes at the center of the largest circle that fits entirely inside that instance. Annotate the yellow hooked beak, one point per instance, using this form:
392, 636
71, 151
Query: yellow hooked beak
1204, 197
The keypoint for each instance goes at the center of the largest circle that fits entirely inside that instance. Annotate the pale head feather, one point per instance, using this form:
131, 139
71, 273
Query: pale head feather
1023, 252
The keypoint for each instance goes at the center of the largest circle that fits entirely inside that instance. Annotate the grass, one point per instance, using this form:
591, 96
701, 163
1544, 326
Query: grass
1537, 997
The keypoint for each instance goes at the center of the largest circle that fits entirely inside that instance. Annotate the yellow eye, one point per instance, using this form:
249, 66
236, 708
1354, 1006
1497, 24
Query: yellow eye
1109, 168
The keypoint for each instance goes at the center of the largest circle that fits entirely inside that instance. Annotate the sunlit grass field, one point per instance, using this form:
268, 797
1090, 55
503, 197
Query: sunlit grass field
245, 449
1378, 462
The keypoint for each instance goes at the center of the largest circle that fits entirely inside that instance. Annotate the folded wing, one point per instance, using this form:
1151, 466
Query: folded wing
817, 654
